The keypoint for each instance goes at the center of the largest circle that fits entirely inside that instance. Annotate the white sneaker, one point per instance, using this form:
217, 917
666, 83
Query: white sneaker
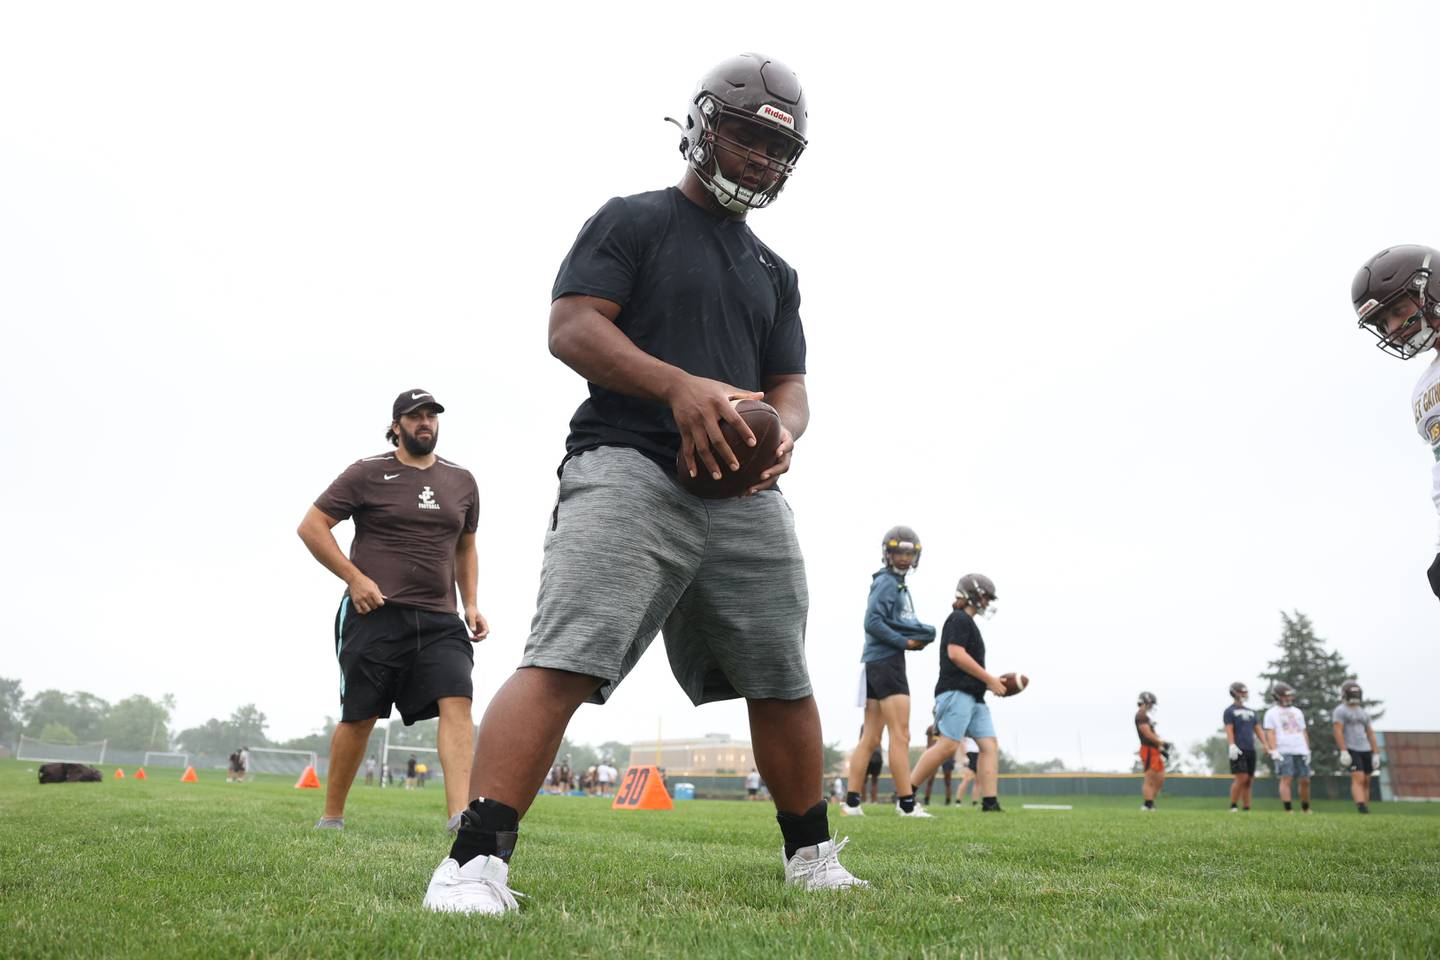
1145, 809
849, 811
818, 867
919, 811
477, 887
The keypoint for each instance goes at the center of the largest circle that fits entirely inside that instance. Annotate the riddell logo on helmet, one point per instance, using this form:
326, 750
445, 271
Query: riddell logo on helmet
779, 116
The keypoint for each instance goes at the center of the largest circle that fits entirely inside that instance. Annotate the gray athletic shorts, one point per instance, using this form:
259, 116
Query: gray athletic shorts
629, 553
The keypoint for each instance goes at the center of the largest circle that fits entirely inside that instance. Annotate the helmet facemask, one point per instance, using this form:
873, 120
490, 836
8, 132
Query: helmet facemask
709, 133
1417, 333
905, 549
977, 591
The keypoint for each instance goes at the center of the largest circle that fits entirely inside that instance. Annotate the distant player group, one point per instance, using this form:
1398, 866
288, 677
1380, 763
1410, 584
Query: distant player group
680, 319
1282, 735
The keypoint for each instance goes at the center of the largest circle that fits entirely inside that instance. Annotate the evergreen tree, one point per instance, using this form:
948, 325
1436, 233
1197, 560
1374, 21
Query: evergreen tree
1316, 675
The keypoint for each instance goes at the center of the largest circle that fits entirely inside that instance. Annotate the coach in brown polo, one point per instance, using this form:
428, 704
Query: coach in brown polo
397, 635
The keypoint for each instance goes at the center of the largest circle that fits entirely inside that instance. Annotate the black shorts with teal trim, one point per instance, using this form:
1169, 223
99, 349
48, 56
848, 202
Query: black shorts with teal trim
403, 656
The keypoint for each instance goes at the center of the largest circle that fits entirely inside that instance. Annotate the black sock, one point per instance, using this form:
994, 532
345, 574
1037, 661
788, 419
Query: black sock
1149, 804
804, 829
1363, 807
1234, 807
1246, 809
1304, 804
989, 803
852, 799
1287, 804
907, 804
487, 828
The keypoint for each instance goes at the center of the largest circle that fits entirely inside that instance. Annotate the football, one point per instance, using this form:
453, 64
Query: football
764, 422
1014, 683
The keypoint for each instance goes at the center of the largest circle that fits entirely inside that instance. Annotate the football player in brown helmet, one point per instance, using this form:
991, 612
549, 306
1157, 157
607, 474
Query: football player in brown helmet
1396, 296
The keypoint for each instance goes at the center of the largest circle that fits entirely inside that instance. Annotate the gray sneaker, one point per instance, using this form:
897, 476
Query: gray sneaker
330, 823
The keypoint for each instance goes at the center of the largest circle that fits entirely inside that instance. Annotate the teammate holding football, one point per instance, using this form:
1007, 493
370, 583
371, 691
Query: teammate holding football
1289, 744
1396, 296
1154, 752
960, 707
1240, 723
891, 629
672, 309
1355, 739
398, 637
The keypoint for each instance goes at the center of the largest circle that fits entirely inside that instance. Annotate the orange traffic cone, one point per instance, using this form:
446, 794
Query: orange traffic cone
642, 788
189, 776
308, 780
119, 774
140, 774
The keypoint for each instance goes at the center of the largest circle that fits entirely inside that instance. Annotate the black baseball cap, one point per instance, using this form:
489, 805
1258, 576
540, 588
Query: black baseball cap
411, 400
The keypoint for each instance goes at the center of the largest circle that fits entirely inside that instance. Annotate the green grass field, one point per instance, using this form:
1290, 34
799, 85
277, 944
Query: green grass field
160, 868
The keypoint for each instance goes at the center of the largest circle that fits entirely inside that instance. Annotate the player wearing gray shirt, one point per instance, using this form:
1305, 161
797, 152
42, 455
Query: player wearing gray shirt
1355, 739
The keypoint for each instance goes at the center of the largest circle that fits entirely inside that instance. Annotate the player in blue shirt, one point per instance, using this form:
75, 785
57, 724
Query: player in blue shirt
1240, 722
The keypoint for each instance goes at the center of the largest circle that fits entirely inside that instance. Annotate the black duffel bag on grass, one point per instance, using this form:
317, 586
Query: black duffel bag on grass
69, 773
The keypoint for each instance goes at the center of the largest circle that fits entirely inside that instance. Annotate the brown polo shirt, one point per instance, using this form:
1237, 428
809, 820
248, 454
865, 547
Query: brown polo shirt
407, 522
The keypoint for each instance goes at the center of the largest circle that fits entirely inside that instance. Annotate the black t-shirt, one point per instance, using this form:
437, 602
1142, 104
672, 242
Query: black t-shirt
960, 629
695, 290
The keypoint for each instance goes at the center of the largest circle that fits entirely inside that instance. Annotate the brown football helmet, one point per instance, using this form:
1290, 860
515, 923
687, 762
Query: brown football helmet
753, 89
1389, 279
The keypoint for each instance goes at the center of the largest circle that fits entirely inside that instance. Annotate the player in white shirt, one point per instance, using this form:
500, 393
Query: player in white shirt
1289, 744
1396, 295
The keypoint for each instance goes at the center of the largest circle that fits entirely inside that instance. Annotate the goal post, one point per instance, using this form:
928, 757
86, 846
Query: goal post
277, 760
166, 758
33, 748
400, 753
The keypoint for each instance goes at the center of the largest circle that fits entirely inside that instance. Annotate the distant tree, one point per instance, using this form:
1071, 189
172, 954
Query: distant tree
1211, 755
319, 741
213, 737
138, 723
83, 713
421, 734
616, 751
245, 728
1009, 764
57, 733
581, 755
247, 724
12, 699
832, 757
1316, 674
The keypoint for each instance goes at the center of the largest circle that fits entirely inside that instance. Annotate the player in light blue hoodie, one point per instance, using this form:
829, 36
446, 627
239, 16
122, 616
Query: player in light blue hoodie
891, 629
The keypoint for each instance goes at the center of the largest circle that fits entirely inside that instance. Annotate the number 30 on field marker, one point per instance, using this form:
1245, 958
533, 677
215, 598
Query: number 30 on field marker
642, 788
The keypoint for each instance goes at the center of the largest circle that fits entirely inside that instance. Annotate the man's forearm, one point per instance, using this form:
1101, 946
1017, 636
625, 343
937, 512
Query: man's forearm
969, 664
324, 548
595, 348
467, 576
792, 403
